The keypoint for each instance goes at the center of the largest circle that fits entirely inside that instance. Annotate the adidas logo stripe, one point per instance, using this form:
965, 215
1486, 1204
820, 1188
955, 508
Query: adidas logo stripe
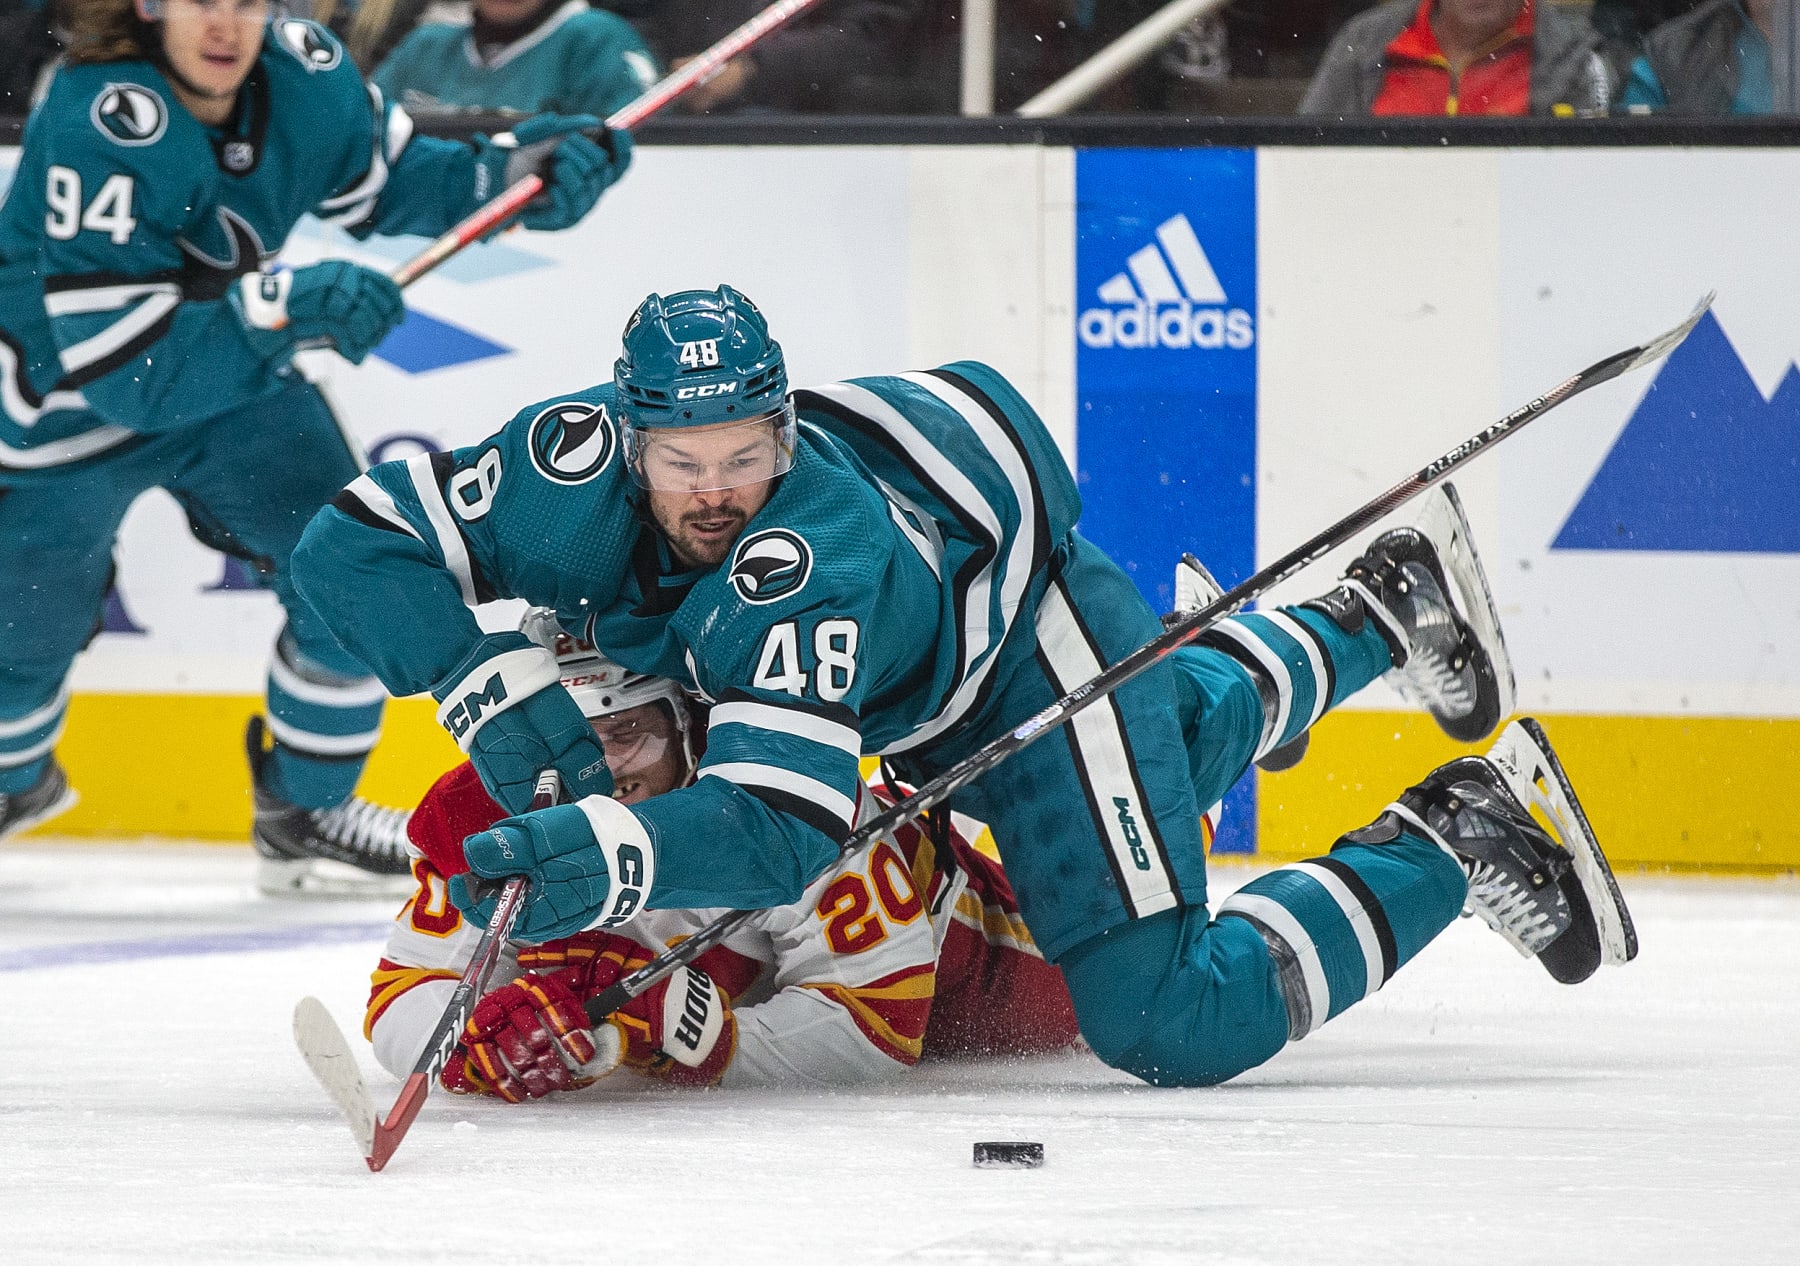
1169, 296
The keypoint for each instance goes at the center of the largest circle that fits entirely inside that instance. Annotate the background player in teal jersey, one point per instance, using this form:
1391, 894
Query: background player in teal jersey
890, 565
146, 339
521, 55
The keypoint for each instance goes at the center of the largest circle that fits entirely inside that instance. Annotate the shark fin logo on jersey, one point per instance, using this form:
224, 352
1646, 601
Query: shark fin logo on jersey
130, 114
308, 42
771, 565
1168, 296
572, 442
205, 275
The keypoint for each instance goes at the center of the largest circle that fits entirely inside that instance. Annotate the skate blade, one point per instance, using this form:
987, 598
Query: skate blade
320, 879
1441, 517
1524, 757
62, 804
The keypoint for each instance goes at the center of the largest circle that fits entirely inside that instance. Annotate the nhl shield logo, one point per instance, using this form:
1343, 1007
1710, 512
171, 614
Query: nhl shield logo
306, 41
572, 442
130, 114
771, 565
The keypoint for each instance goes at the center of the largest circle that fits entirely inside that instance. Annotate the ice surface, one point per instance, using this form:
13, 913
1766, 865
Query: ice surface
152, 1109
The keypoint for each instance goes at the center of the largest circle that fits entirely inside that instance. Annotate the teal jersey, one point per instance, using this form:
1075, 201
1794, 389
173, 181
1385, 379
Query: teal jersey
867, 608
128, 220
578, 61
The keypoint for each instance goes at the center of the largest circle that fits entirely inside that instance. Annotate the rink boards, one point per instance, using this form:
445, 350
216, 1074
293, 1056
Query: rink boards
1234, 348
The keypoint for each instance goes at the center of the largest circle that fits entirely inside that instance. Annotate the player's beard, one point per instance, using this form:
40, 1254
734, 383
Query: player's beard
695, 548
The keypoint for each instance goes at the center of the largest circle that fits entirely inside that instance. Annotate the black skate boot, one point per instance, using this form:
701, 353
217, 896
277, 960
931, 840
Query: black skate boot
1424, 587
43, 800
354, 849
1552, 896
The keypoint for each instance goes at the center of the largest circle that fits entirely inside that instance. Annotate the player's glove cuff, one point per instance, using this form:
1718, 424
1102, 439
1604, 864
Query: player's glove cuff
500, 673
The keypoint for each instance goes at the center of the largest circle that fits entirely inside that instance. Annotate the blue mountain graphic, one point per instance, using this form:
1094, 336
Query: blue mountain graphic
1705, 465
422, 343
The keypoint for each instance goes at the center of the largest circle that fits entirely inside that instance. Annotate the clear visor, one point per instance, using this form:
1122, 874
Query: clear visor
634, 740
710, 458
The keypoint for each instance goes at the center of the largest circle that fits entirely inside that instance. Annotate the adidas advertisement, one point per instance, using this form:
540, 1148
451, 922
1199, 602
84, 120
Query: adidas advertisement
1165, 368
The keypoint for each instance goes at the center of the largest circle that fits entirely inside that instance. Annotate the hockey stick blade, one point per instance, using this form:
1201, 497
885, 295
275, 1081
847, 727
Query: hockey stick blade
325, 1051
1182, 632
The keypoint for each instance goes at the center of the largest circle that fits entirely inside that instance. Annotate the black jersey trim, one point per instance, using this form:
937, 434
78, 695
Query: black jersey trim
124, 354
837, 713
1131, 761
355, 507
820, 819
981, 559
1371, 904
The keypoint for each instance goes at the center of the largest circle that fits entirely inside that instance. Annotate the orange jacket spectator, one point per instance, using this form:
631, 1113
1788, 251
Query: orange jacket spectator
1453, 57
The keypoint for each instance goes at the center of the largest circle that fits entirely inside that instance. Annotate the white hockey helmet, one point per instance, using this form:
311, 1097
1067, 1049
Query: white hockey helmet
599, 686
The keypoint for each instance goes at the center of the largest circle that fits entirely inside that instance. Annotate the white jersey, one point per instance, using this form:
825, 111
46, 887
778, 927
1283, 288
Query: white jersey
835, 988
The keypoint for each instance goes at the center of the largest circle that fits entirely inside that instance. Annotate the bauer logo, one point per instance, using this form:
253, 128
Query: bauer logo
1167, 296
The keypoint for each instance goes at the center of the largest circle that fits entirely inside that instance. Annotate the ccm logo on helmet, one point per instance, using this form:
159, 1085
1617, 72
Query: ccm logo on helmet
705, 390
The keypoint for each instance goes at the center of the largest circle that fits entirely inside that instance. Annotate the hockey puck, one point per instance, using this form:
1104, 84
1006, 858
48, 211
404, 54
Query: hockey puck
1009, 1155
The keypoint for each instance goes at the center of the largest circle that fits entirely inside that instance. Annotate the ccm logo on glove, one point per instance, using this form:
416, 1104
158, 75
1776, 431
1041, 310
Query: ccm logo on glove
494, 686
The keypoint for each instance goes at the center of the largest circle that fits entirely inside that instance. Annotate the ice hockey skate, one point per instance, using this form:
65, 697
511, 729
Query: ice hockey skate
1536, 873
43, 800
356, 849
1424, 587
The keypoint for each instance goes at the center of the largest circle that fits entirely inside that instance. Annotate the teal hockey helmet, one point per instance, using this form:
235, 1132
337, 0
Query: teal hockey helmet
703, 358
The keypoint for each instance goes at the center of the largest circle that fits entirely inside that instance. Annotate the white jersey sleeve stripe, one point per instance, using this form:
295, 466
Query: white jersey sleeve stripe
1315, 660
807, 725
376, 500
97, 348
443, 528
31, 720
104, 298
749, 774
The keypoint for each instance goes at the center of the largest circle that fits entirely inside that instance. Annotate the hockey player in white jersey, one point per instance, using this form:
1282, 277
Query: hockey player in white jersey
911, 948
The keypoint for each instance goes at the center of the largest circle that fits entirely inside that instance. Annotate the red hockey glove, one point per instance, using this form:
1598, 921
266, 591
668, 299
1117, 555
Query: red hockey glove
524, 1040
680, 1029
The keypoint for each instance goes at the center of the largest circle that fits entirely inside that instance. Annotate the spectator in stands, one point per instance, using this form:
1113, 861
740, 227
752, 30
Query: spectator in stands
1714, 60
371, 29
1453, 57
532, 56
34, 36
843, 57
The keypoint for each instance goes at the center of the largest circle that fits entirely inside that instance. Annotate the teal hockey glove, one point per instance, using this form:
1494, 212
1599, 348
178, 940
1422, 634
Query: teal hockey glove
506, 708
333, 301
591, 865
575, 170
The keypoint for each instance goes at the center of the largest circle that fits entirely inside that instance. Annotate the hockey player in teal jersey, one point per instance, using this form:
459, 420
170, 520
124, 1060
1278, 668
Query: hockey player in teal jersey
890, 565
146, 339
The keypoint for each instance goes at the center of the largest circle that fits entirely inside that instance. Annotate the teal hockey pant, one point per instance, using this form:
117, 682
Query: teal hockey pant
249, 481
1099, 829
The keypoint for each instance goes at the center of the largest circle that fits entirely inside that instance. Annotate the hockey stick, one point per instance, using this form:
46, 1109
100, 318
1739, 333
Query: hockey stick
1179, 634
513, 199
326, 1052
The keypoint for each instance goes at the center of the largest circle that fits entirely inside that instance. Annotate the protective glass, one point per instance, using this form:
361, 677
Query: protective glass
635, 739
710, 458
